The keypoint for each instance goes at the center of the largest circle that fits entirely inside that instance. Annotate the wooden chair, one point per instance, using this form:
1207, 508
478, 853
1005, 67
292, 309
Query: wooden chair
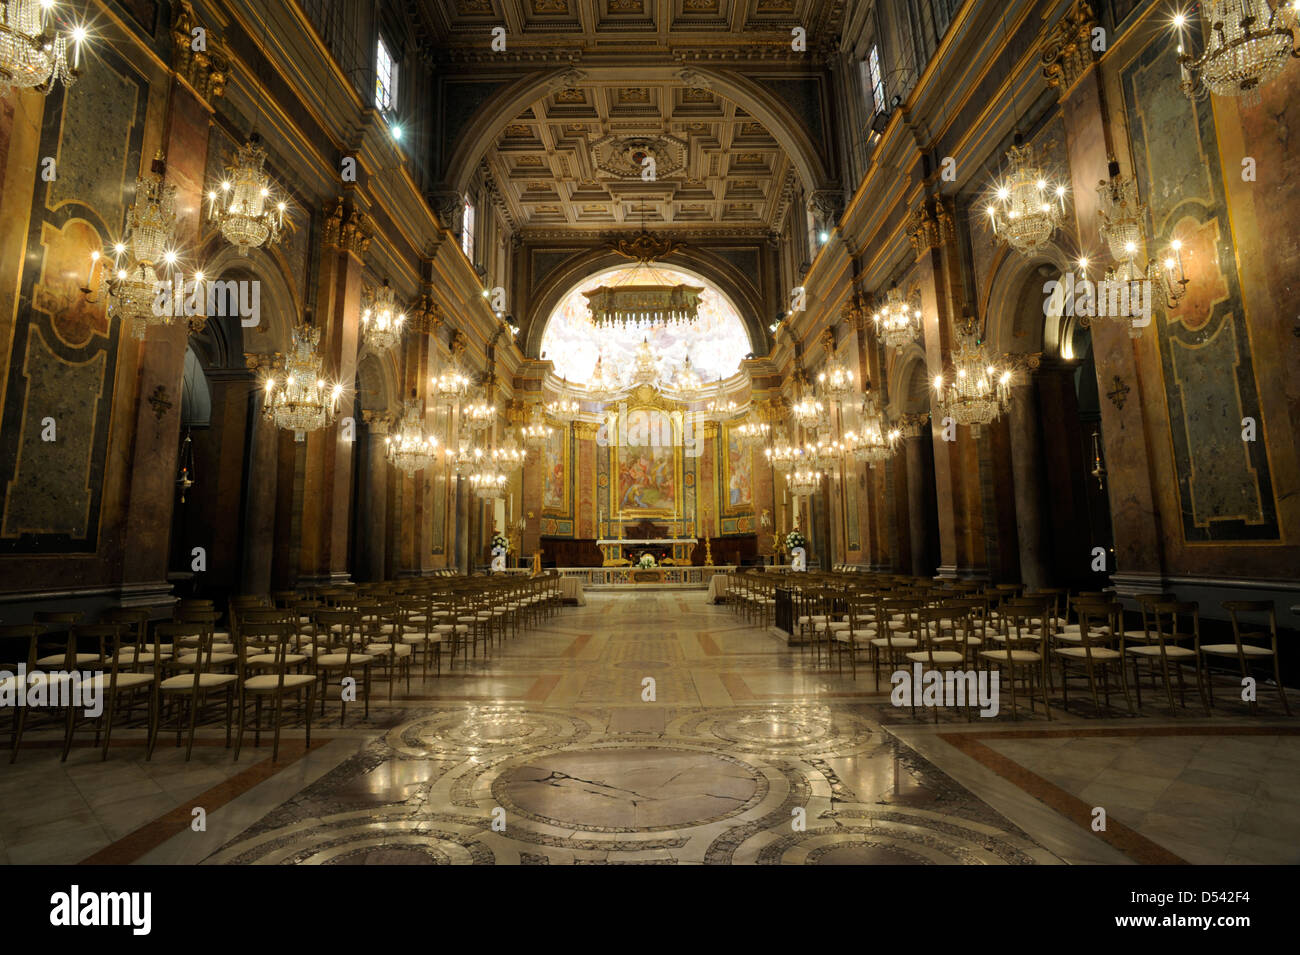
1023, 651
1246, 652
1099, 622
200, 674
275, 684
1168, 648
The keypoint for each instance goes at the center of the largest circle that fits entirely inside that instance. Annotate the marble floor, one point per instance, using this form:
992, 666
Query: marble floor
556, 750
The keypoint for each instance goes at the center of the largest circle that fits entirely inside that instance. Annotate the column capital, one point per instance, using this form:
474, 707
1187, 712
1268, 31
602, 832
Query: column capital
1067, 51
379, 421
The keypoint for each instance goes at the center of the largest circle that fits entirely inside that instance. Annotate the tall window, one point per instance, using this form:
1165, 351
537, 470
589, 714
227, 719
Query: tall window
876, 78
467, 230
385, 79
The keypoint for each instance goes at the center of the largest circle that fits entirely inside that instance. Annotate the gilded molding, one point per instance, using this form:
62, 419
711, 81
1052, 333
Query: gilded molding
379, 421
1067, 52
207, 70
586, 430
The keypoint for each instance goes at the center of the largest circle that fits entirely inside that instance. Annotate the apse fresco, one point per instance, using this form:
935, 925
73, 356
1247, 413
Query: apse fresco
716, 343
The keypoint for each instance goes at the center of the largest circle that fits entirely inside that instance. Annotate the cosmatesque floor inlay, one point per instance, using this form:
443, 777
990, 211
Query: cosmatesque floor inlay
550, 751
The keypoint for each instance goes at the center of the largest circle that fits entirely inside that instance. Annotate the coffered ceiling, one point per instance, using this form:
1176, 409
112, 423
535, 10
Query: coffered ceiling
582, 156
592, 24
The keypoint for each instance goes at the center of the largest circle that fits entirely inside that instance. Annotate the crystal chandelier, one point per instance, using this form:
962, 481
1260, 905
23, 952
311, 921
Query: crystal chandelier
977, 392
488, 481
564, 410
33, 54
808, 410
1248, 45
645, 366
381, 320
465, 458
1026, 208
509, 456
874, 441
242, 204
720, 407
826, 455
836, 380
300, 400
135, 291
687, 380
480, 414
753, 432
411, 450
451, 384
784, 456
602, 385
897, 323
804, 482
537, 432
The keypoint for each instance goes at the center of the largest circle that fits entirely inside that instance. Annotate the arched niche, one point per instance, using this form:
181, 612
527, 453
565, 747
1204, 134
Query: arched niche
909, 383
377, 382
278, 304
744, 298
1018, 319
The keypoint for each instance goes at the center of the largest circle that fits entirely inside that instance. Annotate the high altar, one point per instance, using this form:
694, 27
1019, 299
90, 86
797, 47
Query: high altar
648, 475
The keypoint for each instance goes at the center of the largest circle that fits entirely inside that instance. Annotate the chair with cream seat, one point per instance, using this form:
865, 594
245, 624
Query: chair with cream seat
385, 643
861, 630
1250, 644
945, 632
120, 680
898, 632
1170, 646
418, 617
81, 645
19, 644
201, 671
275, 682
1094, 649
1023, 651
345, 630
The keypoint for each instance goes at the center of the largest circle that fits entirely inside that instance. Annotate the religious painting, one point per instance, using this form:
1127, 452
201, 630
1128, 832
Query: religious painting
555, 472
647, 480
738, 474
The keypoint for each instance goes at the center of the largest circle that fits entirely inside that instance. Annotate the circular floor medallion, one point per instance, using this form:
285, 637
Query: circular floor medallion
632, 789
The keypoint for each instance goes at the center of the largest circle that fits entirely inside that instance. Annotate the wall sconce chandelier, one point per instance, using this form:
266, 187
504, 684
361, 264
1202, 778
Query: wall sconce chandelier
381, 320
1249, 43
33, 54
135, 290
1026, 208
299, 399
978, 390
242, 204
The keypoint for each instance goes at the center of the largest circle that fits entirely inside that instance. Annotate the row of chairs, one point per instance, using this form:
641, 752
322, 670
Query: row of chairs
290, 646
951, 625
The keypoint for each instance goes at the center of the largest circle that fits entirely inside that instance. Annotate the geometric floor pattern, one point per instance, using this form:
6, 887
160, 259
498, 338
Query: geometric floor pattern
551, 752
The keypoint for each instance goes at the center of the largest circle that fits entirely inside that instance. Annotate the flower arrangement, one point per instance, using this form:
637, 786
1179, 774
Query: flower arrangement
646, 562
500, 541
794, 539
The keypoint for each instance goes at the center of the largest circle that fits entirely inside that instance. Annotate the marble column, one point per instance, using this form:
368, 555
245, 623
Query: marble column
917, 535
151, 489
327, 487
259, 507
1025, 453
375, 491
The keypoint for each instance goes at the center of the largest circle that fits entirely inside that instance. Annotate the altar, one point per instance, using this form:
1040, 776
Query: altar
678, 549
